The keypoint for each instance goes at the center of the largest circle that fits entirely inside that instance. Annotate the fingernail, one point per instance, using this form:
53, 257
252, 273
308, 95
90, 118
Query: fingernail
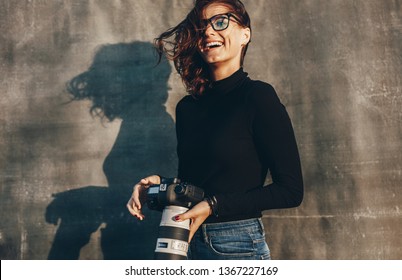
176, 218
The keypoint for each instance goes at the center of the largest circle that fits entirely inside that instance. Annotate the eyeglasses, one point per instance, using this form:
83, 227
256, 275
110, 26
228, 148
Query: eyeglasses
220, 22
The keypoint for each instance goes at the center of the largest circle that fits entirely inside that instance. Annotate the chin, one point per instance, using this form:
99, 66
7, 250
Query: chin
213, 60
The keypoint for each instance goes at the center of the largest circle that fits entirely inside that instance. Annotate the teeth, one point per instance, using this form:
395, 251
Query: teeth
212, 44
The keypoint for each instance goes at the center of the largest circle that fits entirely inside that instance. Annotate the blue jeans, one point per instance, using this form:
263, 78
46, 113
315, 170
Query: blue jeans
236, 240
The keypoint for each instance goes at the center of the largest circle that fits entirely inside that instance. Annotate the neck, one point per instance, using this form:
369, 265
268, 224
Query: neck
220, 73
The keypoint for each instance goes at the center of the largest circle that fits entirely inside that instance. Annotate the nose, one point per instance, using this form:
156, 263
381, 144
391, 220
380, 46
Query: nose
209, 30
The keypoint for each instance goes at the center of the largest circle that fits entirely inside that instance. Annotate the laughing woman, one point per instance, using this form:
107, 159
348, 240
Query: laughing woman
231, 131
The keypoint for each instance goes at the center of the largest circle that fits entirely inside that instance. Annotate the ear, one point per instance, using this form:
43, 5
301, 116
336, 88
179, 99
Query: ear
246, 36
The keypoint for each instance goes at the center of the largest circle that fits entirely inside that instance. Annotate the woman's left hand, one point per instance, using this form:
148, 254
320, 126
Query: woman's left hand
198, 214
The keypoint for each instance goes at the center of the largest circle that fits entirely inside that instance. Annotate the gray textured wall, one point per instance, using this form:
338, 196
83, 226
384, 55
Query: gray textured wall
336, 65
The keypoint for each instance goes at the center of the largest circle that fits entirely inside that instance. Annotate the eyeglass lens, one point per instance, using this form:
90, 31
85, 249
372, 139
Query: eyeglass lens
219, 22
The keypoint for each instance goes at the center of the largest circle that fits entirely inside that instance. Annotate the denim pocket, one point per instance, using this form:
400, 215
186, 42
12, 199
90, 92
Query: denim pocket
240, 240
239, 245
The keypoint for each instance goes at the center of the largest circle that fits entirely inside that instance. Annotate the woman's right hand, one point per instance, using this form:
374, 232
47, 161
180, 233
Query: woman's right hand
138, 198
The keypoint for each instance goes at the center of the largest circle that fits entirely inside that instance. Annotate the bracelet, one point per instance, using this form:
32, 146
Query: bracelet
213, 203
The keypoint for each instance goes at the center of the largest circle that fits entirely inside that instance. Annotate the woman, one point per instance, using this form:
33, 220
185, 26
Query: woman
230, 130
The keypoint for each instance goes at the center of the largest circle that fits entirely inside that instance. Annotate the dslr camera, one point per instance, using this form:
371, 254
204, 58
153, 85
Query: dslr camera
173, 197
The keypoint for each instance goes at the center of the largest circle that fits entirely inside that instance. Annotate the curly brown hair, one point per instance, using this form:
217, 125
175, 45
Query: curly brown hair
179, 44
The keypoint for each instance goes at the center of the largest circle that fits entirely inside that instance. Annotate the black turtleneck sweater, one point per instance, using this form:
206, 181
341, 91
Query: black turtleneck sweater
229, 139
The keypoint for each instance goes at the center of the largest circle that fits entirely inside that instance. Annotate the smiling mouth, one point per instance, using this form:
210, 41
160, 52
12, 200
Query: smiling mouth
212, 45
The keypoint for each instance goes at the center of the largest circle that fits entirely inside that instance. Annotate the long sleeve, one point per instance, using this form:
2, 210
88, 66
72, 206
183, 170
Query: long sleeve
277, 149
229, 139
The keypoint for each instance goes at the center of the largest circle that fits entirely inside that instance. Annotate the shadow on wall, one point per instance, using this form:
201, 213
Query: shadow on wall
122, 83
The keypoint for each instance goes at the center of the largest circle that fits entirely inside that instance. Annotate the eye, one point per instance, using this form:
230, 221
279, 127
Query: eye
220, 22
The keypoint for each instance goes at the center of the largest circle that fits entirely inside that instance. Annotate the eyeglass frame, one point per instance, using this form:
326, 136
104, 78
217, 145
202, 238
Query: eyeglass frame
229, 15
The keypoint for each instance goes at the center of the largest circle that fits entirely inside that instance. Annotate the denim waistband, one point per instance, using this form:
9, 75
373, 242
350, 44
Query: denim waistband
233, 224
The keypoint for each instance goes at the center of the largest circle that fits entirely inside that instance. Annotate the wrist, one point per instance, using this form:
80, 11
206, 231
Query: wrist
213, 205
205, 202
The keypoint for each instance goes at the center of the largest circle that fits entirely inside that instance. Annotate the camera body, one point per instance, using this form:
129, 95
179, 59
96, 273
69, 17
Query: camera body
173, 192
173, 197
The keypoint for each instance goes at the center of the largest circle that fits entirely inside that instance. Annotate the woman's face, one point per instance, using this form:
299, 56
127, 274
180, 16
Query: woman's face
223, 48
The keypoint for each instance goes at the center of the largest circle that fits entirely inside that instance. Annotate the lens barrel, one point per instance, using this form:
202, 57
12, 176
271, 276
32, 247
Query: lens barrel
172, 243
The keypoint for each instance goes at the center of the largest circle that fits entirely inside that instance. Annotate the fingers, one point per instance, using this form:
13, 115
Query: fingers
151, 180
134, 210
140, 189
194, 226
195, 223
134, 205
198, 214
200, 211
136, 195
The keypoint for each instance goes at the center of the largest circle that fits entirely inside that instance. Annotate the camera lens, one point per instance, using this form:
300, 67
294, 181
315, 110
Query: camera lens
179, 189
172, 243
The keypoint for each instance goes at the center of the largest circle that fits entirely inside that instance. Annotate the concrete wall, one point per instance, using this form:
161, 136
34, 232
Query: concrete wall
65, 176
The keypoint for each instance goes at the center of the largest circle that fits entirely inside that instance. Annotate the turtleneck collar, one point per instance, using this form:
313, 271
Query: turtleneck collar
228, 84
